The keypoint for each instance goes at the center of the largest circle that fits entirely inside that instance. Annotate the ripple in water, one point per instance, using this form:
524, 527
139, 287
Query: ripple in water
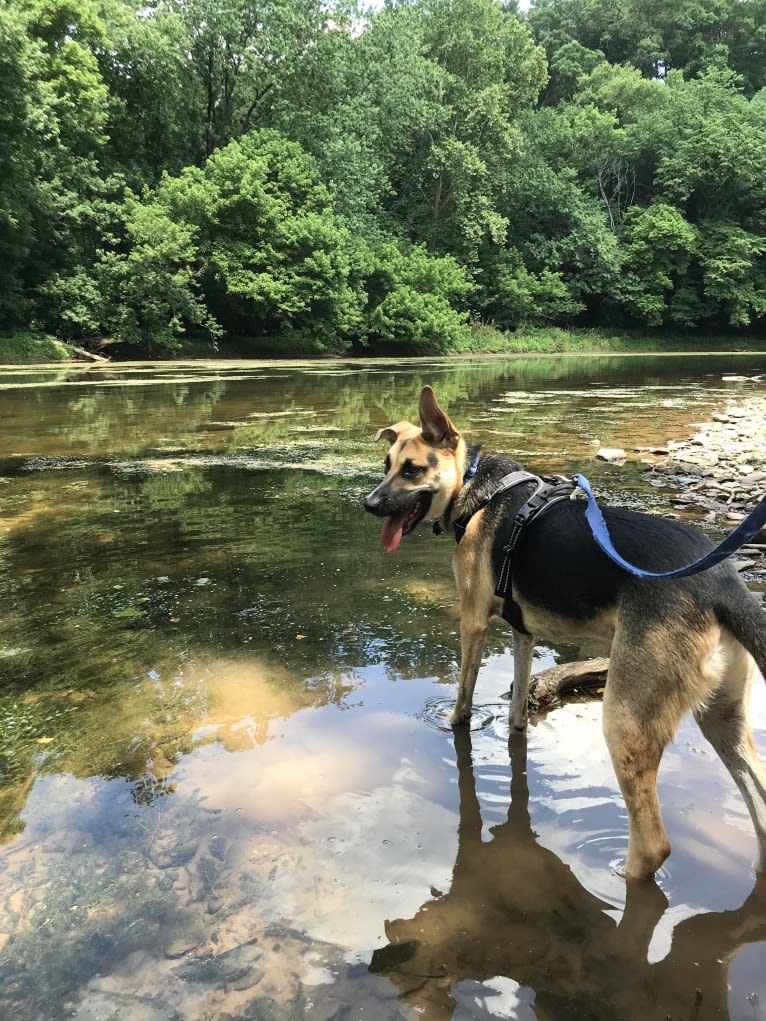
436, 713
611, 845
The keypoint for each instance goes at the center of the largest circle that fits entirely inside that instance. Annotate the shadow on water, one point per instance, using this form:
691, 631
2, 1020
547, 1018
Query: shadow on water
517, 935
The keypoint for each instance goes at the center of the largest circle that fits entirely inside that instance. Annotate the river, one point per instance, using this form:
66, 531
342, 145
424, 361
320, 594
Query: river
228, 789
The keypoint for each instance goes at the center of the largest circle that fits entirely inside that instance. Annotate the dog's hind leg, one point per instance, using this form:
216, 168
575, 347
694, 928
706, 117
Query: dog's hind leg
523, 650
658, 671
655, 675
724, 719
636, 748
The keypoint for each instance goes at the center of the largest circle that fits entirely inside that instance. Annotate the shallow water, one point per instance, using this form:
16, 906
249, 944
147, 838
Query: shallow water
228, 788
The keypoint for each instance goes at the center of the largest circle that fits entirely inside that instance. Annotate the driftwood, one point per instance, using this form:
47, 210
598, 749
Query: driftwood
546, 686
87, 355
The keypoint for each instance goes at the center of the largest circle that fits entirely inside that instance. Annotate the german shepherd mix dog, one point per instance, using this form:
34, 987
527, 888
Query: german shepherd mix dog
674, 645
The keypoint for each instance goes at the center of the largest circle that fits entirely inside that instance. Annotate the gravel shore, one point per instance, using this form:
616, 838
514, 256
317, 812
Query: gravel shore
721, 468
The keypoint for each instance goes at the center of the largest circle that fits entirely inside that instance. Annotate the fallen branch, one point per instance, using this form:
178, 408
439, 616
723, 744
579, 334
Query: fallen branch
557, 680
89, 355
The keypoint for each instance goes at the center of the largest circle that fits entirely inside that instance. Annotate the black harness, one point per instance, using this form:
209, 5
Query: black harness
549, 490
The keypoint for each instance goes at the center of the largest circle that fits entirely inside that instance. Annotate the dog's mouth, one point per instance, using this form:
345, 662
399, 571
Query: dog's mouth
401, 524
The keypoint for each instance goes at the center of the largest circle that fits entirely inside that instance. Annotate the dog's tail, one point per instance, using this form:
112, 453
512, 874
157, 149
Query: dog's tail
747, 622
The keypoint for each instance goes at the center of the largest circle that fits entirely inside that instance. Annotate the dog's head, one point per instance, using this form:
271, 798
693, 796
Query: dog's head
423, 472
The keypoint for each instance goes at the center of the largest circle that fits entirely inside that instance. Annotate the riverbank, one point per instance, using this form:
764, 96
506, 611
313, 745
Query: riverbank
721, 469
29, 348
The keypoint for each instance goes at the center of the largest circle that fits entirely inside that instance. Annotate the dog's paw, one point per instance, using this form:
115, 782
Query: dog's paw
458, 716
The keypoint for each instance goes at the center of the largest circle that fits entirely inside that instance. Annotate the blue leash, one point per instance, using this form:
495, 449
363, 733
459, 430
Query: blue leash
744, 531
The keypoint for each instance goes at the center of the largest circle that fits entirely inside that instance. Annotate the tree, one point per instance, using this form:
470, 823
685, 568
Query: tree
239, 52
155, 121
659, 247
17, 160
480, 68
249, 241
413, 298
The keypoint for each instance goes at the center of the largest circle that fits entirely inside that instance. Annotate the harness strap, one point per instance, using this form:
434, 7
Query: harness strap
548, 491
506, 482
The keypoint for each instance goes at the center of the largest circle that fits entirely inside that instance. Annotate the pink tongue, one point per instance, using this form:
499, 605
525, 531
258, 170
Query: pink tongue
391, 533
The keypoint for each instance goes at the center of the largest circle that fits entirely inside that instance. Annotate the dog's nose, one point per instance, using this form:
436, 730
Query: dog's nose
371, 502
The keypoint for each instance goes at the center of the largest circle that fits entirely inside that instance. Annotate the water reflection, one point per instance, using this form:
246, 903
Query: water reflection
516, 934
222, 761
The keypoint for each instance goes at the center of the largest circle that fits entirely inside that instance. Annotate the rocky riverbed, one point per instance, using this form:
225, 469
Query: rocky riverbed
721, 469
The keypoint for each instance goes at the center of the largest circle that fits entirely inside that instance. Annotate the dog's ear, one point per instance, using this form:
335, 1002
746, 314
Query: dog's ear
437, 428
388, 433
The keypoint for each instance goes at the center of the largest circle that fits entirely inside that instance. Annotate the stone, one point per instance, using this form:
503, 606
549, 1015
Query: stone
611, 454
701, 457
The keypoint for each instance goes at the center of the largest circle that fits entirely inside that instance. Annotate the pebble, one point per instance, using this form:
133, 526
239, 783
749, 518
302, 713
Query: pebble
721, 467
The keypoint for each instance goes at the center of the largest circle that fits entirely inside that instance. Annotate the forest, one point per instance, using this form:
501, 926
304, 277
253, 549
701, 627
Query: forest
324, 178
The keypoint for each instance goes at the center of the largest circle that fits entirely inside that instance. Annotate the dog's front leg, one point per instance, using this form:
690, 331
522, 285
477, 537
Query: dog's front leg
473, 630
523, 649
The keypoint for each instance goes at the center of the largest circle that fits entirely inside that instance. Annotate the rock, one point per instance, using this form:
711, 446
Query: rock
611, 454
171, 850
701, 457
718, 468
180, 947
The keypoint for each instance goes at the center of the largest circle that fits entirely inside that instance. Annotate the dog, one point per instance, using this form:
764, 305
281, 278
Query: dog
674, 645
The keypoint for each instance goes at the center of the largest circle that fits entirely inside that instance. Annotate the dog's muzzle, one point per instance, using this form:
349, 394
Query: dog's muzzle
372, 503
402, 514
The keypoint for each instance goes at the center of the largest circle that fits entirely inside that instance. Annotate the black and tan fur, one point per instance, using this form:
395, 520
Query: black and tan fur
689, 644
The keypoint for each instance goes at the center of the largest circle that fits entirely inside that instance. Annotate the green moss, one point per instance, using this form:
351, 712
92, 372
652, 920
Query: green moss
31, 347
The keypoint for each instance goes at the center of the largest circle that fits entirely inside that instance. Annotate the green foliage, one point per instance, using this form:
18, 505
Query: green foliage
568, 65
412, 299
315, 177
517, 295
660, 246
489, 70
275, 258
733, 274
151, 294
249, 241
31, 347
17, 70
695, 35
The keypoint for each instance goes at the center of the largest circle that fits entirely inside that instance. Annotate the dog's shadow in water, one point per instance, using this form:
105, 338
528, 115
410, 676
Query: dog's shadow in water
516, 910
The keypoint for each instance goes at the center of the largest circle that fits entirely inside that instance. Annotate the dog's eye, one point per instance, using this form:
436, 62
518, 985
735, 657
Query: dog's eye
387, 465
411, 471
